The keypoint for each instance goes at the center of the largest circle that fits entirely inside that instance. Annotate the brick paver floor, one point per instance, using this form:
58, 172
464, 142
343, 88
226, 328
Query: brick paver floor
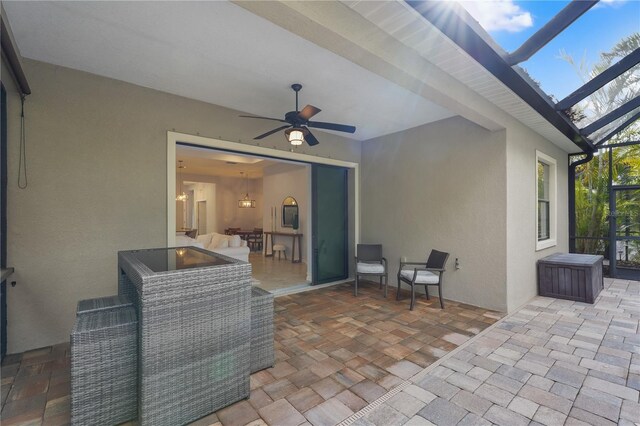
335, 354
553, 362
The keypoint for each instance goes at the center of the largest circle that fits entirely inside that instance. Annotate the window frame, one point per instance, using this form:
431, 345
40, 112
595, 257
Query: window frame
552, 184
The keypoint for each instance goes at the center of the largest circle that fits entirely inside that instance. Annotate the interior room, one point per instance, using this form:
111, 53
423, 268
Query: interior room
241, 201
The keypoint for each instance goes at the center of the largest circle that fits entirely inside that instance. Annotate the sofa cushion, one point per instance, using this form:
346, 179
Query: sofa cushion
424, 277
235, 241
370, 268
218, 241
204, 239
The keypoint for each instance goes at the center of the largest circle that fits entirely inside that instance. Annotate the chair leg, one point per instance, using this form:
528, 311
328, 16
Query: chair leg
440, 294
386, 282
398, 292
426, 290
413, 297
355, 287
285, 254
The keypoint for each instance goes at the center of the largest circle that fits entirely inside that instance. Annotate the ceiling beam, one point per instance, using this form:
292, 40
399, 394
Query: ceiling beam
608, 118
550, 30
618, 129
443, 17
614, 71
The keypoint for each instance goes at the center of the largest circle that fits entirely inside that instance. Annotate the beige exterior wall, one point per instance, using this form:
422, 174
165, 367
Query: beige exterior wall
441, 186
522, 144
97, 162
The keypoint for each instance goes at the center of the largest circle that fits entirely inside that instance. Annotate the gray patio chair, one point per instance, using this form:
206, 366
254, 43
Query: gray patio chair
426, 274
370, 263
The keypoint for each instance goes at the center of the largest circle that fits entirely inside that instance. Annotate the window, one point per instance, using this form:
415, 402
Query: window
546, 201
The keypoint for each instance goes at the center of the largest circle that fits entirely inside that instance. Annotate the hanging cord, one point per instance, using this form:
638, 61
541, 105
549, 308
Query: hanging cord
22, 168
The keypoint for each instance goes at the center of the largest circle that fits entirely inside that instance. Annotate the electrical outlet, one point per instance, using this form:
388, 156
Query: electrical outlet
457, 265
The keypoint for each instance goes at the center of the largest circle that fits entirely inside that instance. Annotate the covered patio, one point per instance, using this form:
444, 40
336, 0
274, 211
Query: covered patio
458, 148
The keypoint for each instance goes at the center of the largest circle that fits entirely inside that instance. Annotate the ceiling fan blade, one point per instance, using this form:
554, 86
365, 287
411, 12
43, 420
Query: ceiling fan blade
309, 138
263, 118
308, 112
332, 126
264, 135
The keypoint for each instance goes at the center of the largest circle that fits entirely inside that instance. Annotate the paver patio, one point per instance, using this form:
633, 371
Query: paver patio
361, 361
553, 362
335, 353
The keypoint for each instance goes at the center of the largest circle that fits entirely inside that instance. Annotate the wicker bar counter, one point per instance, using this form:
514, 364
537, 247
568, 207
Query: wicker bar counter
194, 331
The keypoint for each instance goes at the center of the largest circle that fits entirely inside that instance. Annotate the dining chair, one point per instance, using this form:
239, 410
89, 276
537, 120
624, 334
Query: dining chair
370, 263
425, 274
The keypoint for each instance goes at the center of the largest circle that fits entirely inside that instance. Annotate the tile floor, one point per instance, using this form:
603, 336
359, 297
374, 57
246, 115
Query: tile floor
553, 362
274, 273
335, 354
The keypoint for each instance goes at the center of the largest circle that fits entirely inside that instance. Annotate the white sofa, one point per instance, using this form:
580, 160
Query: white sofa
228, 245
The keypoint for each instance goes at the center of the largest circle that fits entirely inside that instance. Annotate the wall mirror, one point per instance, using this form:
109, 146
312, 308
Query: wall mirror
290, 213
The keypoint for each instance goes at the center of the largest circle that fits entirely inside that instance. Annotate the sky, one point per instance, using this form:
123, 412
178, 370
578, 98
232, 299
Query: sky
511, 22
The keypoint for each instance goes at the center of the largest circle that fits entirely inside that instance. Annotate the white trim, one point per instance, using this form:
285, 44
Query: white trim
553, 201
174, 137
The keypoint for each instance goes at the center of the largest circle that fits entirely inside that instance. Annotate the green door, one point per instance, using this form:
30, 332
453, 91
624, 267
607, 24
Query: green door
330, 232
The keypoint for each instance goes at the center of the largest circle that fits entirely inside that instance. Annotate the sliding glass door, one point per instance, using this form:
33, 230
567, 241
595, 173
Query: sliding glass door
330, 229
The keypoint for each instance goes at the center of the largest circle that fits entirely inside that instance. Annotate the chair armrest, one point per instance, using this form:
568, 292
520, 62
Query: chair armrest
412, 263
435, 269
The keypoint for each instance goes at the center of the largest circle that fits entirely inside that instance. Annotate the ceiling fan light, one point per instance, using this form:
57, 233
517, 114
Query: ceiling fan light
295, 137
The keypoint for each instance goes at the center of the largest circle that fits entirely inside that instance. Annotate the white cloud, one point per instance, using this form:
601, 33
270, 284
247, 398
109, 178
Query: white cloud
499, 15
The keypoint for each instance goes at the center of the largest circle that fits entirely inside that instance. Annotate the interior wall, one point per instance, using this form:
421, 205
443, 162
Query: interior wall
441, 186
228, 191
97, 161
279, 182
522, 256
201, 192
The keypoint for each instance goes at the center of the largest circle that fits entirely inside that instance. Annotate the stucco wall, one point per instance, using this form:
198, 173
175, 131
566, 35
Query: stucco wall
522, 144
441, 186
97, 160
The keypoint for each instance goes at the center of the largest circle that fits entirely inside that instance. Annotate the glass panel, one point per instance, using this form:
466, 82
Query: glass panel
543, 181
592, 205
605, 130
171, 259
626, 165
628, 213
543, 220
628, 258
571, 58
329, 224
607, 98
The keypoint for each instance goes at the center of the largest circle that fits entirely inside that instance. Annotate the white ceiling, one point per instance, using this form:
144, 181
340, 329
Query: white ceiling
215, 52
210, 162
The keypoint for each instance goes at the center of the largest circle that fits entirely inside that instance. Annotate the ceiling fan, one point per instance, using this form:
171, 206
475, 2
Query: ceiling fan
297, 128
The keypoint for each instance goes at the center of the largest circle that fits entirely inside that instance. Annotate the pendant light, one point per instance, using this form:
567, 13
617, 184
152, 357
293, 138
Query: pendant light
246, 202
182, 196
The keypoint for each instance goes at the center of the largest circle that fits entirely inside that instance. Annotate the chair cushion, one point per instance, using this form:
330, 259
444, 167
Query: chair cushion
424, 277
370, 268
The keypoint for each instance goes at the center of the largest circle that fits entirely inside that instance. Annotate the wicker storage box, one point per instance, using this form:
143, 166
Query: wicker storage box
570, 276
103, 304
104, 357
262, 354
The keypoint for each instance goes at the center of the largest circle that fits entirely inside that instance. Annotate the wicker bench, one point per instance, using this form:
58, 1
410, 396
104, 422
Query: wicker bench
104, 356
103, 304
262, 354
